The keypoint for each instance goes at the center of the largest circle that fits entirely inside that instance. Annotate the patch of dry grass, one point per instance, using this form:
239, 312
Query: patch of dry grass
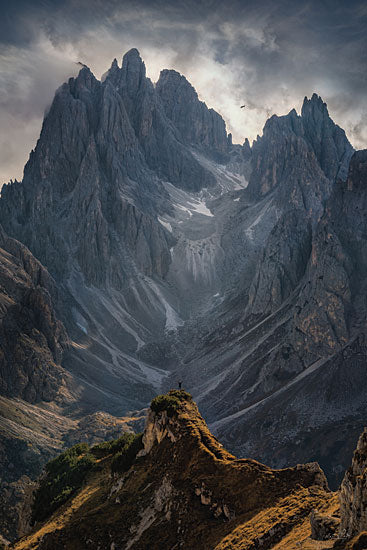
176, 494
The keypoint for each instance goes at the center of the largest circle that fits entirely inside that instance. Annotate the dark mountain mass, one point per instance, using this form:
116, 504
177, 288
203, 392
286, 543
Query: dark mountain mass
32, 339
171, 254
197, 124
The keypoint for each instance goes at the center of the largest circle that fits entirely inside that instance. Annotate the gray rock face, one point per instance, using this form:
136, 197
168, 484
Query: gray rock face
286, 148
301, 369
353, 492
332, 305
32, 339
328, 141
197, 124
32, 344
88, 169
163, 145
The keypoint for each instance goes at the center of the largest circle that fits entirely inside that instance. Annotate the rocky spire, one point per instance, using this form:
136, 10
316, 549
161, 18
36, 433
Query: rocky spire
133, 72
197, 124
314, 107
327, 140
353, 492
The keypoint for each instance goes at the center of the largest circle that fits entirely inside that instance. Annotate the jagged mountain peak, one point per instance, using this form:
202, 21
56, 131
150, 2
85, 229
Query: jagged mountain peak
284, 124
175, 80
313, 137
314, 105
132, 55
133, 71
79, 86
327, 140
197, 124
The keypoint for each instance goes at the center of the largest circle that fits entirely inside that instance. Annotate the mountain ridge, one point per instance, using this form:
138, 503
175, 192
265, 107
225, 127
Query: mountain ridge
206, 496
178, 255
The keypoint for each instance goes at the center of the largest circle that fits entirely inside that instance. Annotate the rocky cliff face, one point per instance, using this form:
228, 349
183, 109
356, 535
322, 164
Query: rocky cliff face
353, 492
32, 339
32, 343
184, 489
315, 337
293, 144
162, 136
197, 124
81, 197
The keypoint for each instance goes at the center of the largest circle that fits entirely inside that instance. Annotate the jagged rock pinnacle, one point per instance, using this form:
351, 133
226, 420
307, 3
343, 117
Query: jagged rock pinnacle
133, 70
314, 105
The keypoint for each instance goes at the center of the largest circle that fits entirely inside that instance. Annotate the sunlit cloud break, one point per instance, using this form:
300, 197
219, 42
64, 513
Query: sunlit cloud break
265, 56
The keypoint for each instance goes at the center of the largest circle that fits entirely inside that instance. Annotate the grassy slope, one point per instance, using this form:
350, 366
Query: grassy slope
157, 505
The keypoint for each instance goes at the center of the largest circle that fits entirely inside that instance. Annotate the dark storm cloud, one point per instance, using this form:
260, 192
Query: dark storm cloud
267, 54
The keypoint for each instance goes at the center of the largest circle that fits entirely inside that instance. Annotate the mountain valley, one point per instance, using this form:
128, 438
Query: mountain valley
143, 248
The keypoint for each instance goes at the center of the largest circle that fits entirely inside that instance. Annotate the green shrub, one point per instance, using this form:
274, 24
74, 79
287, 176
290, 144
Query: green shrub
124, 459
64, 475
112, 447
181, 395
170, 402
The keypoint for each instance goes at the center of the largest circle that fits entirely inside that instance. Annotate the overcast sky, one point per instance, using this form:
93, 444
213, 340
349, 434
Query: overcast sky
266, 54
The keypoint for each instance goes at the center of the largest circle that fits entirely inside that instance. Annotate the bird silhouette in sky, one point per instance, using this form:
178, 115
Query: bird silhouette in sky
243, 106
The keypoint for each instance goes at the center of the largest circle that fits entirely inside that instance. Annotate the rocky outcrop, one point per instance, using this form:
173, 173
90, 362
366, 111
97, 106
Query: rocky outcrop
16, 504
353, 492
32, 339
197, 124
327, 139
186, 490
157, 427
323, 527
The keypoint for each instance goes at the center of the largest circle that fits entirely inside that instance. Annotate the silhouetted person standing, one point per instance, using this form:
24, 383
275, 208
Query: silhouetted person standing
180, 385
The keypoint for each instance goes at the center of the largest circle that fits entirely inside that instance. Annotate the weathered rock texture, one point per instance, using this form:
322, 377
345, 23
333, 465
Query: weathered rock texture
353, 492
184, 490
323, 527
32, 339
32, 343
197, 124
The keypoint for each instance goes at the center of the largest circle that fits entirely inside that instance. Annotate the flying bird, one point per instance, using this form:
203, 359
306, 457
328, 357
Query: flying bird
243, 106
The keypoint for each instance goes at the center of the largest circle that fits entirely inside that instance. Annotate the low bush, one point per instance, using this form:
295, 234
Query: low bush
170, 402
181, 395
124, 459
112, 447
64, 475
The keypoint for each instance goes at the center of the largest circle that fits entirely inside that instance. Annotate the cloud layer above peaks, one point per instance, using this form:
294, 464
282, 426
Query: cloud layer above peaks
266, 54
